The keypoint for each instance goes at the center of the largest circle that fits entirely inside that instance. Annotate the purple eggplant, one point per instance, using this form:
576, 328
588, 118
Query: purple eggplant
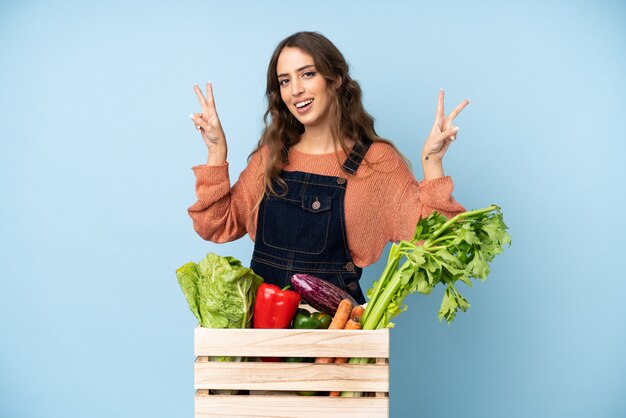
320, 294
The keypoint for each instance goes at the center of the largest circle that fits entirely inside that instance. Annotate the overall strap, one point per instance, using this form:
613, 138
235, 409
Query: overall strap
353, 161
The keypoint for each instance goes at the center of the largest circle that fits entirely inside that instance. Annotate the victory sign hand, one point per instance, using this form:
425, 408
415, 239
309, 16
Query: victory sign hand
208, 123
443, 131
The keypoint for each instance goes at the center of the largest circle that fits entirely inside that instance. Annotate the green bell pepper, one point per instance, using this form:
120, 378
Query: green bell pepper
306, 320
324, 319
303, 320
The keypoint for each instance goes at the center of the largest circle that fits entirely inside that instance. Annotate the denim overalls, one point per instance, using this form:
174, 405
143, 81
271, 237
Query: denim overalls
305, 230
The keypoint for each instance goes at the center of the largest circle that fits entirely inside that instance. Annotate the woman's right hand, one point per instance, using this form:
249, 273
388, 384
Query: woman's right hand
209, 126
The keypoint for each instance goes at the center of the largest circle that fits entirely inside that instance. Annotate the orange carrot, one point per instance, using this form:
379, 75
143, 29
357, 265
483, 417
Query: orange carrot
357, 312
352, 324
339, 322
342, 315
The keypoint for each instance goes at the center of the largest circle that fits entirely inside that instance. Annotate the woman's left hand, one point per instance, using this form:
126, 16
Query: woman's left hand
443, 131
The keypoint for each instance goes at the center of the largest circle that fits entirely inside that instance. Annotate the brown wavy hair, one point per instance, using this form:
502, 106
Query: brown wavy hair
348, 117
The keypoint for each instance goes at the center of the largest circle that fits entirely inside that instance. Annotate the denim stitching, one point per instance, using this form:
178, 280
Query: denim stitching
325, 213
335, 186
339, 263
294, 268
343, 230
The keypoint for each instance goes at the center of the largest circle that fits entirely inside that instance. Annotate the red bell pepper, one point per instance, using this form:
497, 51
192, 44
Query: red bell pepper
274, 308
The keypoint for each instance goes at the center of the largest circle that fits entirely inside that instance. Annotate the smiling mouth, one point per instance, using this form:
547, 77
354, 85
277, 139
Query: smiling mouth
304, 106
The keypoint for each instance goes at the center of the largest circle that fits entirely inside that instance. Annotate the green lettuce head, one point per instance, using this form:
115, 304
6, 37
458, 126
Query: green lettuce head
220, 291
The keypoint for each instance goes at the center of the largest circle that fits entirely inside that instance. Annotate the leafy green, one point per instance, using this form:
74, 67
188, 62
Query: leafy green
188, 277
220, 291
457, 249
441, 252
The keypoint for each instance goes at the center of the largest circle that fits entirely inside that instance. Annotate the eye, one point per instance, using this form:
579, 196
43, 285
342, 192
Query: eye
309, 74
282, 82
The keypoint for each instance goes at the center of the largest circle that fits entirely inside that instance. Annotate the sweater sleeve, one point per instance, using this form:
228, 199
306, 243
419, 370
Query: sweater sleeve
221, 213
420, 199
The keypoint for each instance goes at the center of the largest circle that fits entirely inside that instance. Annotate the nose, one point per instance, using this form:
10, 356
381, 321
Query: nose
296, 87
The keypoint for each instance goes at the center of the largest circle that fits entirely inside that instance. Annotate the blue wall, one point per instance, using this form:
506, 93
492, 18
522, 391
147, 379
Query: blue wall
95, 154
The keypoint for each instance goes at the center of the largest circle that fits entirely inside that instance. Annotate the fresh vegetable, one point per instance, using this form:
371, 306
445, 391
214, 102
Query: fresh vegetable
357, 313
307, 392
352, 324
319, 293
342, 315
457, 249
324, 319
303, 320
220, 293
339, 322
307, 320
275, 307
355, 318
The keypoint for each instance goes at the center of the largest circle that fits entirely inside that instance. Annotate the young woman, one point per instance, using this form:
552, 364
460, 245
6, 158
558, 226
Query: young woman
322, 193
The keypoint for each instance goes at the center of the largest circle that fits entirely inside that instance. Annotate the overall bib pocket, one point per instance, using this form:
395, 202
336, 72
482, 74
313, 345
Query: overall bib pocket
309, 234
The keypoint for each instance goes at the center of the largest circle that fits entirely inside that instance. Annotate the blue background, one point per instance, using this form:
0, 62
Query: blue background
95, 153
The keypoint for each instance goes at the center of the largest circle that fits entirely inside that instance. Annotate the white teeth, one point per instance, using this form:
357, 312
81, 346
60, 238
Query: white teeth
304, 103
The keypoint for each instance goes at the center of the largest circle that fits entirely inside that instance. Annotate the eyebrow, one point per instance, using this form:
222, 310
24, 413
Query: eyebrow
299, 69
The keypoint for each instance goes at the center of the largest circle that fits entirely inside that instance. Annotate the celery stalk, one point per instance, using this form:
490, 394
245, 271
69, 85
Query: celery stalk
453, 249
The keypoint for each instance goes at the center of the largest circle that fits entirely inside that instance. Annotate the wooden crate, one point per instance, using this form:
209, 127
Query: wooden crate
259, 378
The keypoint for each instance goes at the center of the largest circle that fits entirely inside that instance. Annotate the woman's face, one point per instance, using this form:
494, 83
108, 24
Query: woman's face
302, 88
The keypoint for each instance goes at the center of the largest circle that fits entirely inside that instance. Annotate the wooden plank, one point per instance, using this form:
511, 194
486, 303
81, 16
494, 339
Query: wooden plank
291, 376
290, 406
291, 342
383, 362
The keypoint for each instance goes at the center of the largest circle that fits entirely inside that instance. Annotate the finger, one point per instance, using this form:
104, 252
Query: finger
209, 96
199, 121
202, 100
458, 109
454, 130
439, 114
450, 133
